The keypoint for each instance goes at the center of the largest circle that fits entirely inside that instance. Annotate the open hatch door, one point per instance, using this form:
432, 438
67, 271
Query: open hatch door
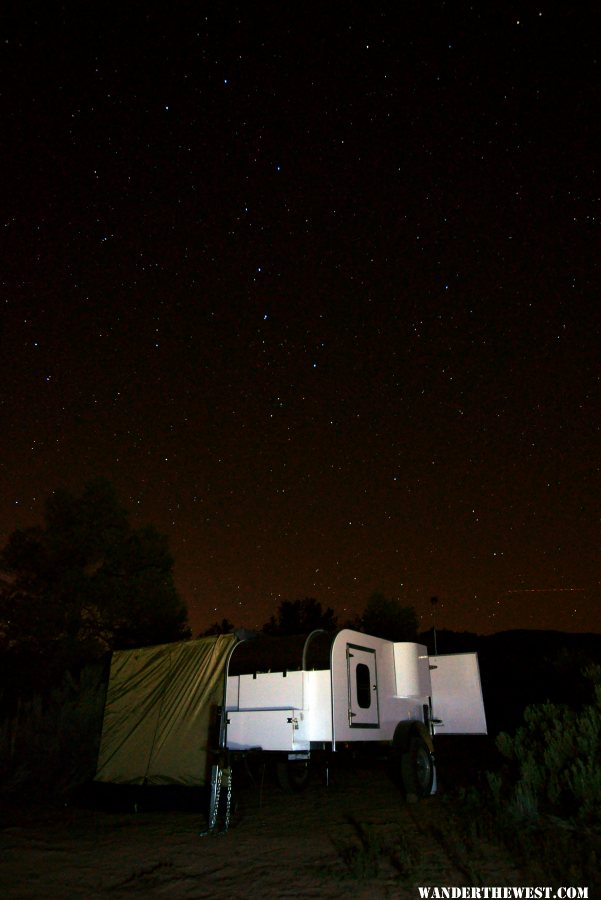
457, 704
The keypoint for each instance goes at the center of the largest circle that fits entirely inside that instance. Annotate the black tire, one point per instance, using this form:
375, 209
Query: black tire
417, 768
293, 775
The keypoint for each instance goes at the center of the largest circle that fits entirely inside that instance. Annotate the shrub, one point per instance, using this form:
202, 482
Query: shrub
49, 740
554, 763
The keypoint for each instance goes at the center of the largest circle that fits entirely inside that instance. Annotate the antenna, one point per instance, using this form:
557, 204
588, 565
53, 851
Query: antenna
434, 601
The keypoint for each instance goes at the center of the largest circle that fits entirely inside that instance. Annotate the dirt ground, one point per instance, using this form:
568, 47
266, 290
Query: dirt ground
356, 836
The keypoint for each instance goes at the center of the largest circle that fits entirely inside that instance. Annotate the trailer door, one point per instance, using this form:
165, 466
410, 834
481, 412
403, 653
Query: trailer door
457, 705
362, 687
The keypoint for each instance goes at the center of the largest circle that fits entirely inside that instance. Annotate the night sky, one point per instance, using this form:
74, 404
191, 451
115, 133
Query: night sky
317, 288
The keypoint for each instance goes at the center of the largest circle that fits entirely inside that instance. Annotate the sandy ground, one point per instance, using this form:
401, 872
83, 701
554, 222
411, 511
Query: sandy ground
357, 837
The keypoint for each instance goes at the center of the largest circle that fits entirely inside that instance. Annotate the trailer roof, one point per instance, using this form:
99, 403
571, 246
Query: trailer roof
289, 653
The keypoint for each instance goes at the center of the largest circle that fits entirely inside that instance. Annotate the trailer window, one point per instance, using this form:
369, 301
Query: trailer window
363, 686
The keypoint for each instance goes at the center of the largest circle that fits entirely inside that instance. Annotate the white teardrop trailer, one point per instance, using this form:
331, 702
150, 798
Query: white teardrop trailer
182, 713
328, 693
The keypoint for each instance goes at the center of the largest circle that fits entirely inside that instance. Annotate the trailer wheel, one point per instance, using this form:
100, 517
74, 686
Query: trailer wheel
293, 775
417, 768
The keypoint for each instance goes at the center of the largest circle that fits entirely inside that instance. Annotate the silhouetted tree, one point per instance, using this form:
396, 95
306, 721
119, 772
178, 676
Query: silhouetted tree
85, 581
300, 617
385, 617
223, 627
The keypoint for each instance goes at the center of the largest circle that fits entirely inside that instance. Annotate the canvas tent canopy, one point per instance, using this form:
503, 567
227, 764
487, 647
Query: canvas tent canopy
160, 719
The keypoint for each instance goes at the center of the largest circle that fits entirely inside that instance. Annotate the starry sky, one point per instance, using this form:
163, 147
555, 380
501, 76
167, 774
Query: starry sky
317, 288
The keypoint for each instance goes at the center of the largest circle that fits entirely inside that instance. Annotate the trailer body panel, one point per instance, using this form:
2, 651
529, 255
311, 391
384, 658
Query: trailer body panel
267, 729
272, 690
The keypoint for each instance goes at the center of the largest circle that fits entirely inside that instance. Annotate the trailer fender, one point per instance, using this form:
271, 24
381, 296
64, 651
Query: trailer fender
405, 731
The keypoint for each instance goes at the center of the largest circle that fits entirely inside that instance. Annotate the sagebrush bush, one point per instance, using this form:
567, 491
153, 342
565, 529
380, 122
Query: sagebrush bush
555, 763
